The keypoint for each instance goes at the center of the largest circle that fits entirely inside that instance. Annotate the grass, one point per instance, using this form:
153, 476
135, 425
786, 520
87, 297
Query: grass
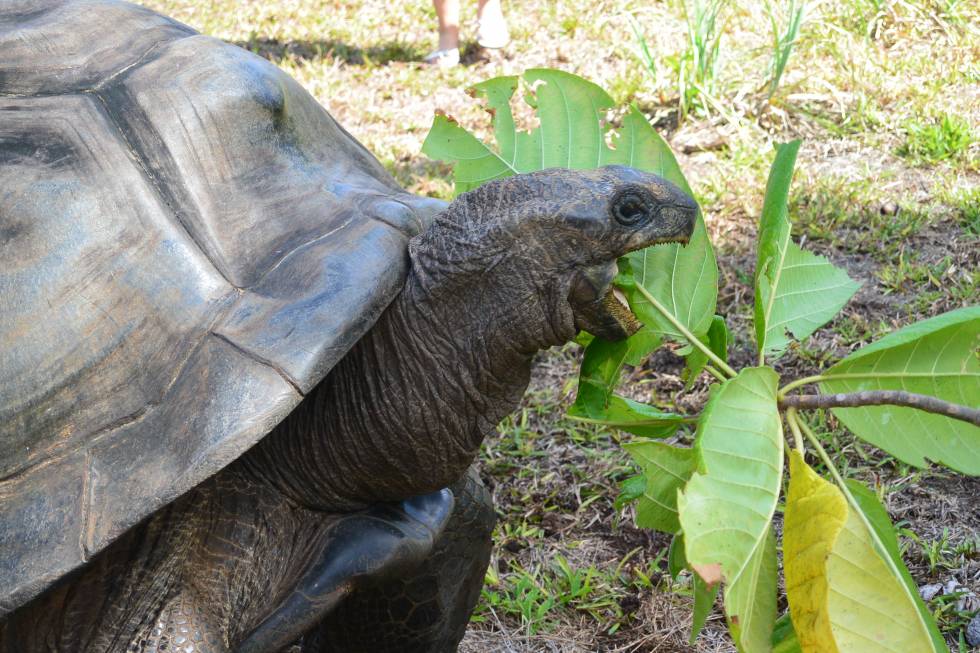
884, 94
944, 138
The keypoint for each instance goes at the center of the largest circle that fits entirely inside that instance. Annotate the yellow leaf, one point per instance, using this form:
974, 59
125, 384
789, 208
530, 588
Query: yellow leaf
843, 596
870, 610
815, 514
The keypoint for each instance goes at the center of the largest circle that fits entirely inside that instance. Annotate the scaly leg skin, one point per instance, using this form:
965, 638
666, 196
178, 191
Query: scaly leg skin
425, 611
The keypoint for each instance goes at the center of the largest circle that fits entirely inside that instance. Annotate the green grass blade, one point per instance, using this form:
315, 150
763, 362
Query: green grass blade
935, 357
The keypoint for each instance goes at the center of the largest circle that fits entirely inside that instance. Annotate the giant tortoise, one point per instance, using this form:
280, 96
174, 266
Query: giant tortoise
243, 374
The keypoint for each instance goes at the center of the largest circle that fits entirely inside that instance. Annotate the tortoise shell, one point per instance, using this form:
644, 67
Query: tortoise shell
188, 243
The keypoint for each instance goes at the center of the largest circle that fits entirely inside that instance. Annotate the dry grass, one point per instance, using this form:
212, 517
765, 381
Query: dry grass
868, 80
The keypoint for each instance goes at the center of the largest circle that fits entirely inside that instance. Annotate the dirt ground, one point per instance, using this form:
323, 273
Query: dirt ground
885, 95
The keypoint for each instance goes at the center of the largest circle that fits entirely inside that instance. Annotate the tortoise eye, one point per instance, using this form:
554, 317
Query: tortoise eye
631, 208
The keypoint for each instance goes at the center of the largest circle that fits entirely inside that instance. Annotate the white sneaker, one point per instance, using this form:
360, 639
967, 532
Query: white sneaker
443, 58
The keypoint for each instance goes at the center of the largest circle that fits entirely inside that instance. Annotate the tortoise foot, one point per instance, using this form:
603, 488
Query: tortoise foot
425, 611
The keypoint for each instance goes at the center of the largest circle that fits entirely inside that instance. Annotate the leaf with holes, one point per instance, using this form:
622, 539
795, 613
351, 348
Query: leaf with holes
935, 357
572, 133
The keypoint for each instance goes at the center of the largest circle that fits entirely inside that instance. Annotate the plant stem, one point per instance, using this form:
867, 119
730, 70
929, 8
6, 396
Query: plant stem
884, 397
860, 375
690, 337
653, 421
856, 507
715, 373
793, 385
793, 420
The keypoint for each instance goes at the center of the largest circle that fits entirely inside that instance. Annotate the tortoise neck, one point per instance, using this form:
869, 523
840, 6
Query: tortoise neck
405, 411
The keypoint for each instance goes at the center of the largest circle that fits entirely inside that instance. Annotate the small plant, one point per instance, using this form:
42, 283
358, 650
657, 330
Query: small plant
642, 50
697, 66
944, 138
846, 584
783, 39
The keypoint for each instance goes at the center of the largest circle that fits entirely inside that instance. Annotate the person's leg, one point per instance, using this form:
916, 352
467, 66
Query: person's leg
493, 26
447, 54
448, 14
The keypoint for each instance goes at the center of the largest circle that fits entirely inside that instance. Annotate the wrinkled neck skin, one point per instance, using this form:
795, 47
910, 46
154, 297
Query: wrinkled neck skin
404, 413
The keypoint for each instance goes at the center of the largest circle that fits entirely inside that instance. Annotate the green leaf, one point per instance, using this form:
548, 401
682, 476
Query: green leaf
844, 594
676, 562
876, 515
632, 417
796, 292
572, 133
750, 602
684, 279
704, 594
598, 377
642, 343
784, 638
704, 603
935, 357
727, 507
630, 490
717, 341
666, 469
475, 162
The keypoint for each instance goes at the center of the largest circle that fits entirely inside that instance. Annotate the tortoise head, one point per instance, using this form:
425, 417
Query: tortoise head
552, 239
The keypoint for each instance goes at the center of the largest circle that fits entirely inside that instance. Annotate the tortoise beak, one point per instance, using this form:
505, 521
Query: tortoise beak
599, 308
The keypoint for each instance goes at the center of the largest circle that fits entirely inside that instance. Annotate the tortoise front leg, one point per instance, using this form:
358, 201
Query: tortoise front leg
363, 548
425, 611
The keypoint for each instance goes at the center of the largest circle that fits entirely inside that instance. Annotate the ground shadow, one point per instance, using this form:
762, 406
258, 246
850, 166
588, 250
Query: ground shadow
379, 54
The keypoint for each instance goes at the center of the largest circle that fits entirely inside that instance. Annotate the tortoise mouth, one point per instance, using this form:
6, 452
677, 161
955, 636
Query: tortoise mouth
599, 307
608, 317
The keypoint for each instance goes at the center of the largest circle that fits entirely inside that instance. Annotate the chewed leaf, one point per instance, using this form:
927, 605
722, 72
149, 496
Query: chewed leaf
476, 163
935, 357
573, 133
